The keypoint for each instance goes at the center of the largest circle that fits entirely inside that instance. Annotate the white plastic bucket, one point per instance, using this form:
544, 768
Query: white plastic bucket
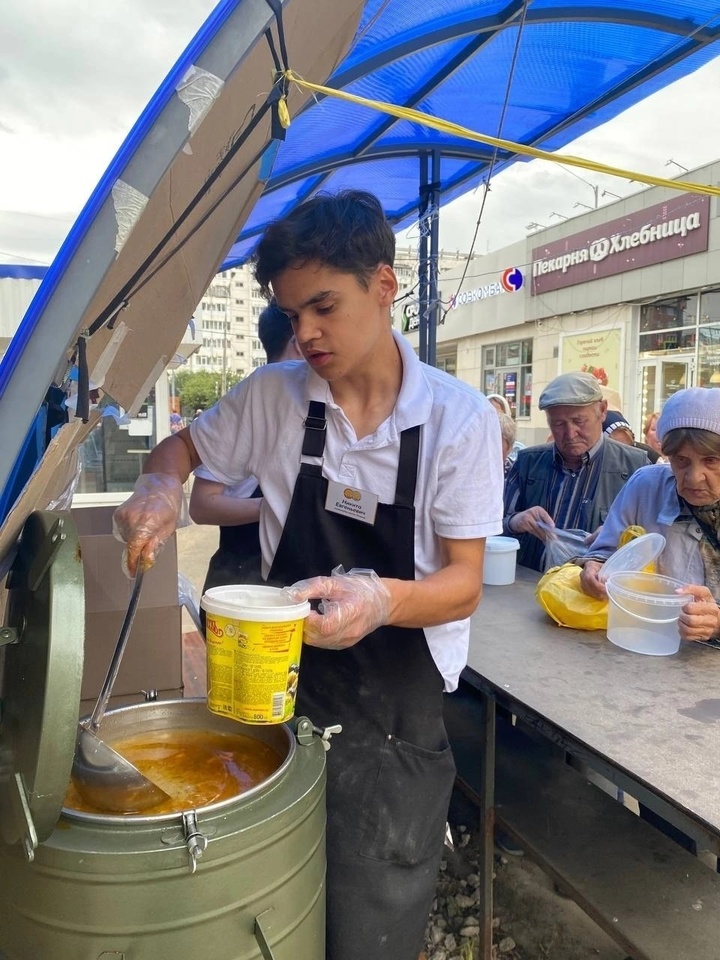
254, 640
643, 612
500, 560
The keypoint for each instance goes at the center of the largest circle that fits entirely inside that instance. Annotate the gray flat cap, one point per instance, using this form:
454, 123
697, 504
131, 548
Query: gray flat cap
571, 390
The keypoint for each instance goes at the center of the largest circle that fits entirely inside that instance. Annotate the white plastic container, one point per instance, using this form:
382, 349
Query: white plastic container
254, 641
500, 561
643, 612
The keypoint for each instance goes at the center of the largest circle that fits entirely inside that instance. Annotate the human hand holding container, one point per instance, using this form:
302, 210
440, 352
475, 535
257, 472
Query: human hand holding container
353, 604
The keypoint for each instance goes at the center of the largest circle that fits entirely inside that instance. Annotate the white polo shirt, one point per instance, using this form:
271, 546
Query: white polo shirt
239, 491
257, 429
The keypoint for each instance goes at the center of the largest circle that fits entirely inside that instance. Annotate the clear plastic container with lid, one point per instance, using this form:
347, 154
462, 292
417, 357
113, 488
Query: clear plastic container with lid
643, 608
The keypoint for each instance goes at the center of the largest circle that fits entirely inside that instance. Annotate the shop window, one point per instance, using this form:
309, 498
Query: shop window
507, 370
674, 314
679, 347
710, 307
667, 341
669, 326
113, 455
448, 364
709, 356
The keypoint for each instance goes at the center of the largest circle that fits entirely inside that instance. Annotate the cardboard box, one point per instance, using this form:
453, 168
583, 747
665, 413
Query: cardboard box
153, 657
106, 586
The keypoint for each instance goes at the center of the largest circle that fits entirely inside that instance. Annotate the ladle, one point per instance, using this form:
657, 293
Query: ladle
101, 776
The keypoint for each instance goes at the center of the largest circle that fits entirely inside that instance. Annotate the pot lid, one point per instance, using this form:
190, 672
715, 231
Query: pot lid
40, 677
634, 556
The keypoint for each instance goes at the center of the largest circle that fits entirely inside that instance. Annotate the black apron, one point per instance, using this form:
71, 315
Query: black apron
390, 772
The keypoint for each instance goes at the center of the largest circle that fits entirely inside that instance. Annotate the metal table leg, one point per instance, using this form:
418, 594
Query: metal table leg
487, 820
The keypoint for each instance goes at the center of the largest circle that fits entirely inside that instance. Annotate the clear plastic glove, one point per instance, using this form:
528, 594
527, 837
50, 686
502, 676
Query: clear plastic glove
148, 519
353, 605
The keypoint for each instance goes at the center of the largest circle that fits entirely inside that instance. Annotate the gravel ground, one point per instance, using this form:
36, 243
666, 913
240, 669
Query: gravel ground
532, 921
453, 928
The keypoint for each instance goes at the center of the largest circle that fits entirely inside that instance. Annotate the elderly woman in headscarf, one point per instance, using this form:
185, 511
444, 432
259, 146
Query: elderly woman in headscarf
680, 500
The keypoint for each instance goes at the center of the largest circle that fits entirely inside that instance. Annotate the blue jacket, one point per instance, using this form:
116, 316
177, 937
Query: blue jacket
650, 499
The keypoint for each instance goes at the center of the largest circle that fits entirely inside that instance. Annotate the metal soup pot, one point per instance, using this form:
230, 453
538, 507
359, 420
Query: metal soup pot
241, 878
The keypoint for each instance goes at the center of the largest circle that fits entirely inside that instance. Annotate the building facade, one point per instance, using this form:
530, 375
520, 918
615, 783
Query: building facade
629, 292
227, 322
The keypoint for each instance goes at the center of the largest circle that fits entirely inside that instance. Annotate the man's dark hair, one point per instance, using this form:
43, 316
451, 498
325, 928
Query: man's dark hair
274, 330
346, 231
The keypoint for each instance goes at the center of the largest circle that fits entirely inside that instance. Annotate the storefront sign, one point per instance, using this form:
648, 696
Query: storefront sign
665, 231
410, 317
511, 280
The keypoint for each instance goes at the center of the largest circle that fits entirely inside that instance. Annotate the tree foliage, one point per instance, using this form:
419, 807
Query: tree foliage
200, 390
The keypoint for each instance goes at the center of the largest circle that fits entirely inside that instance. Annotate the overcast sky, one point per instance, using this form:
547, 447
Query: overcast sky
75, 76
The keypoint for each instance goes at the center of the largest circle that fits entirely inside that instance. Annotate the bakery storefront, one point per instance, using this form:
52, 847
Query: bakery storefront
629, 292
657, 267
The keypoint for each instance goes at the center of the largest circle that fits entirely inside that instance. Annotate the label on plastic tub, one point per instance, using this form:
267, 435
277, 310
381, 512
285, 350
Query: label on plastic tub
253, 668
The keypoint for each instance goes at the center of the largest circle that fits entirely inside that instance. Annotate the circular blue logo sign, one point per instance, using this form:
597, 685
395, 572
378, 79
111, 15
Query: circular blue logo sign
512, 279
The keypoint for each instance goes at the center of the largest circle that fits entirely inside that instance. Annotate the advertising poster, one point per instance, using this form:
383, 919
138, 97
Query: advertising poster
596, 352
510, 389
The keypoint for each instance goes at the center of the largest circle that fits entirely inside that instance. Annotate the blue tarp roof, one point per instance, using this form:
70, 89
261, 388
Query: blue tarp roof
569, 67
21, 271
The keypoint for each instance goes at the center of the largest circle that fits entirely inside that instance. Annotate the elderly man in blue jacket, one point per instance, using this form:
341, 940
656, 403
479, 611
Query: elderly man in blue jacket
571, 482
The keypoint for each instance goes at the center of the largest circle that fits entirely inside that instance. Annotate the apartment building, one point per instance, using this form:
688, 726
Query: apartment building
226, 322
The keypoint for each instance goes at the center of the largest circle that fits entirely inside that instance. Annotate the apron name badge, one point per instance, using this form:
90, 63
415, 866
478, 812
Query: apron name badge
351, 502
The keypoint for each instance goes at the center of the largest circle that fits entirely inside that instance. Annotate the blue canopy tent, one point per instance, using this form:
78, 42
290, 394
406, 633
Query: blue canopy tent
36, 439
540, 73
21, 271
204, 170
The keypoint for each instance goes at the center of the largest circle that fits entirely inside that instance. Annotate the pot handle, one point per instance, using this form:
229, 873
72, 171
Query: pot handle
305, 731
262, 924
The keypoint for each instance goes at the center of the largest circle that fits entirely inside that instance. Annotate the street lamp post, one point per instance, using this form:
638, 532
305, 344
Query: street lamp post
593, 186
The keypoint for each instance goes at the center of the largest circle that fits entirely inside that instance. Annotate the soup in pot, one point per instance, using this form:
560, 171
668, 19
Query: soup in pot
195, 768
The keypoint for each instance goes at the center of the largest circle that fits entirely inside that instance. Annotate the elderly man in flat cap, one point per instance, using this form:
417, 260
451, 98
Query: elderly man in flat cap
571, 482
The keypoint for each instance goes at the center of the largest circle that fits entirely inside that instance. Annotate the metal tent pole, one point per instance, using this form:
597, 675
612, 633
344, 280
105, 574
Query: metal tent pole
423, 259
433, 313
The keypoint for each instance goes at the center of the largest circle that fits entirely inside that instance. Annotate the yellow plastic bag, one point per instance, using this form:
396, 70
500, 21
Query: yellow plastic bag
560, 595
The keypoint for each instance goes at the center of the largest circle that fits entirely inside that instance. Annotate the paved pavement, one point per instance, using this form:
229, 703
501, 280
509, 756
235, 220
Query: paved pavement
195, 545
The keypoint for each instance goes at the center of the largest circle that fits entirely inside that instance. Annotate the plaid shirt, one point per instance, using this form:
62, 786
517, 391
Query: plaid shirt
570, 492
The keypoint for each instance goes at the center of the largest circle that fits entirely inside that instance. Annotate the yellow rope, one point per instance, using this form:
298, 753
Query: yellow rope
444, 126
